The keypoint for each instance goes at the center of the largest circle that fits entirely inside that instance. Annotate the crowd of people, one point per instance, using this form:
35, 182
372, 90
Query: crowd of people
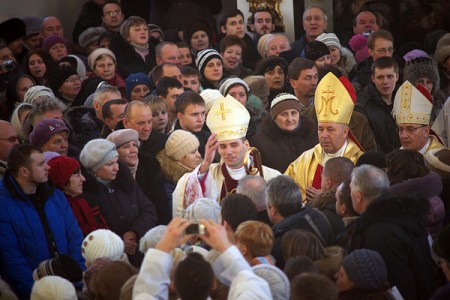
175, 150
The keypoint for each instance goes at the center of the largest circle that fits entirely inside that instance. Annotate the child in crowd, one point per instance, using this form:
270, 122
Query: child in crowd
255, 240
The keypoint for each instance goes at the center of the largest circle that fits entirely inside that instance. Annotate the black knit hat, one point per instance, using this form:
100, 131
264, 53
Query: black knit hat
269, 63
12, 29
422, 67
193, 28
57, 77
366, 268
315, 50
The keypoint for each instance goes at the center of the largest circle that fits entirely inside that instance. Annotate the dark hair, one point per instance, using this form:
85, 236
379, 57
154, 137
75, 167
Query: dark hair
298, 65
346, 198
404, 164
269, 63
106, 108
166, 83
298, 265
189, 71
384, 62
313, 286
187, 98
111, 2
223, 17
236, 209
193, 277
46, 58
260, 9
231, 40
20, 156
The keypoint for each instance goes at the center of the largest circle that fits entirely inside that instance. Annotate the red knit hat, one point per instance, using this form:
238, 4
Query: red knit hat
61, 169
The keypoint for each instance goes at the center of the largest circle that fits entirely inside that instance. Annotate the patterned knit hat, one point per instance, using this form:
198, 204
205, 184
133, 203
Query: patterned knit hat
45, 129
366, 268
35, 92
97, 153
231, 81
134, 80
53, 287
315, 50
329, 39
180, 143
210, 96
282, 102
422, 67
61, 169
102, 243
203, 57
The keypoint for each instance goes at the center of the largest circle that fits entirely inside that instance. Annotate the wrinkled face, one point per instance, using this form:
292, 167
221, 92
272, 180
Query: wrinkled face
277, 45
34, 41
105, 67
191, 82
52, 26
413, 136
128, 153
263, 23
323, 61
232, 152
426, 82
75, 185
58, 51
275, 78
314, 23
306, 84
59, 143
37, 66
171, 97
343, 283
185, 56
288, 119
332, 136
365, 22
234, 25
22, 87
384, 81
109, 171
232, 57
191, 160
172, 71
8, 139
193, 118
38, 170
71, 87
335, 54
170, 53
199, 40
140, 120
160, 120
138, 34
381, 48
239, 93
112, 16
213, 71
139, 92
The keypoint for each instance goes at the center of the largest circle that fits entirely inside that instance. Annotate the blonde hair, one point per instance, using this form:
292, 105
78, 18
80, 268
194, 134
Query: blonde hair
256, 236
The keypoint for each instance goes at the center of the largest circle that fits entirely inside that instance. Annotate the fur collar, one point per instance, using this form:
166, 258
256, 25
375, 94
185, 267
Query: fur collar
171, 170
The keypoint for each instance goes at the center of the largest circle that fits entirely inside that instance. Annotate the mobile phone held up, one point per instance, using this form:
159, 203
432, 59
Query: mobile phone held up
196, 228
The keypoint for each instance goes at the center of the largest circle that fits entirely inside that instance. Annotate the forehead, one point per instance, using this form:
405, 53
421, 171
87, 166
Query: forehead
330, 125
307, 72
234, 47
169, 70
278, 39
36, 157
229, 142
6, 130
110, 7
140, 113
118, 108
365, 15
214, 61
384, 71
184, 50
52, 21
237, 88
263, 15
194, 108
382, 42
234, 18
313, 12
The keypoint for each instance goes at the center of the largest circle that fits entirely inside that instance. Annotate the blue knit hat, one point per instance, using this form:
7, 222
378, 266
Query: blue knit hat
366, 268
134, 80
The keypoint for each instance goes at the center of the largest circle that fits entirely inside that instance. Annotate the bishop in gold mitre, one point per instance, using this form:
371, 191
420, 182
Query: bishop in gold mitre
334, 107
228, 121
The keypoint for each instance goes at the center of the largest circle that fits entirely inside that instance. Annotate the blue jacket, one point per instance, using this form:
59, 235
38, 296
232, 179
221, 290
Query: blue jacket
23, 242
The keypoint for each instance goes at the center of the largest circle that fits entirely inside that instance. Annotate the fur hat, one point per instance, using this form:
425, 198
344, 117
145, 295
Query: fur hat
61, 169
358, 43
97, 153
230, 81
203, 57
94, 56
269, 63
197, 26
59, 75
278, 282
12, 29
152, 238
102, 243
54, 39
45, 129
122, 136
282, 102
366, 268
180, 143
33, 26
438, 160
329, 39
422, 67
315, 50
134, 80
90, 36
35, 92
210, 96
53, 287
202, 208
63, 266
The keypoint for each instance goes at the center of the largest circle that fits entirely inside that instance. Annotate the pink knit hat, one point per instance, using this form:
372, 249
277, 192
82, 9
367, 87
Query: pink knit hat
358, 43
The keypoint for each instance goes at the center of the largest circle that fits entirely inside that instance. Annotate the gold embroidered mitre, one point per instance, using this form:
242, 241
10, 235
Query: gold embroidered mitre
332, 101
228, 118
412, 105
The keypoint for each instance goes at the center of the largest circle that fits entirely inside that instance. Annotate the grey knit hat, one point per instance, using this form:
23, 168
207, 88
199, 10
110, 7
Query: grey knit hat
90, 36
366, 268
278, 282
97, 153
422, 67
35, 92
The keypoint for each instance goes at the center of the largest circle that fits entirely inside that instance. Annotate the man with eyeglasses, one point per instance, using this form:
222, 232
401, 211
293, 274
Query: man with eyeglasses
412, 112
8, 139
380, 44
112, 16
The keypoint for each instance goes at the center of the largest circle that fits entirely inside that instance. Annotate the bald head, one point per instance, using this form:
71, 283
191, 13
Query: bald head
138, 116
8, 139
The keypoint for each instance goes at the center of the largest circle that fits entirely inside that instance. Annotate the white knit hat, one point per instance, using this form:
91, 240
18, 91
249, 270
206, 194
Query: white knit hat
151, 238
97, 153
53, 287
202, 208
203, 57
37, 91
102, 243
210, 96
329, 39
180, 143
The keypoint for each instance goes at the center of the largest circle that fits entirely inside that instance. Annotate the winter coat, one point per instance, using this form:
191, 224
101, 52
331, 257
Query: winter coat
429, 187
84, 124
395, 227
309, 219
346, 62
360, 74
379, 114
24, 241
326, 203
279, 147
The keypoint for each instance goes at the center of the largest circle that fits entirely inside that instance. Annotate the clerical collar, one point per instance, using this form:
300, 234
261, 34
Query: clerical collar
425, 148
236, 174
339, 153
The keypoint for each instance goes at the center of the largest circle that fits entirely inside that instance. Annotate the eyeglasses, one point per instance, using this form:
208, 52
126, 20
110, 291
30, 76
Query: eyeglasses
72, 80
113, 13
11, 139
385, 50
409, 129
